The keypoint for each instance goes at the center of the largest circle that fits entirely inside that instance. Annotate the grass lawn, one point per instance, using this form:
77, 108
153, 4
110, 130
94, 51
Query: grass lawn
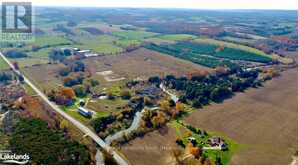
134, 35
177, 37
3, 65
29, 90
76, 115
106, 106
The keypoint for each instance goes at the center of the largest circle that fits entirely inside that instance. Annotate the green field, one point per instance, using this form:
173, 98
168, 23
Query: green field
107, 106
103, 48
103, 44
29, 61
133, 35
126, 43
158, 41
228, 52
231, 45
3, 65
42, 53
50, 41
208, 61
177, 37
276, 57
238, 40
207, 54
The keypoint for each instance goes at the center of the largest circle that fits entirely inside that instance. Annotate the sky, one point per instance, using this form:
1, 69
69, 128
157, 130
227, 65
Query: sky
195, 4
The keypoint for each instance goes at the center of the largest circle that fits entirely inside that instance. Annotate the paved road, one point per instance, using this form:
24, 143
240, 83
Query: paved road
79, 125
295, 160
134, 126
173, 96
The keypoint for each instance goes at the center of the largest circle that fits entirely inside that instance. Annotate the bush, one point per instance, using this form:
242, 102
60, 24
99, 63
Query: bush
80, 90
15, 54
125, 94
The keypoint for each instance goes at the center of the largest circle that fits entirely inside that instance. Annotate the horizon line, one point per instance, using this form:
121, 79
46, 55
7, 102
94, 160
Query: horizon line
176, 8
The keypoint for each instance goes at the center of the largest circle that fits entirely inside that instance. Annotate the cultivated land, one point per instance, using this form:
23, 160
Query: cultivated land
154, 148
143, 63
264, 120
259, 126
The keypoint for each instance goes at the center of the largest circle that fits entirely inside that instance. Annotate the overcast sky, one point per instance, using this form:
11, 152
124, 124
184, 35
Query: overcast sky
198, 4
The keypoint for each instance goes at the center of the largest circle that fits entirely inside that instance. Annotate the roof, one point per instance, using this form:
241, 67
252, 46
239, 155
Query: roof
84, 51
84, 110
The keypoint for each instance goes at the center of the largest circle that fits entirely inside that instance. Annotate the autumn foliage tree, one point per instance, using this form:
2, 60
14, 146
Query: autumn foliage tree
63, 96
68, 92
159, 120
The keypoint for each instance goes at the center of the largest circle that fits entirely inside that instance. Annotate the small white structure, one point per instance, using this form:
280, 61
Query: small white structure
91, 55
84, 112
84, 51
216, 143
191, 138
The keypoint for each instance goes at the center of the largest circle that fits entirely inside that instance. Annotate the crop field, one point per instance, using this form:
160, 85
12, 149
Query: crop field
228, 53
230, 45
50, 41
171, 50
238, 40
103, 44
104, 27
177, 37
207, 54
158, 41
102, 48
264, 120
154, 148
133, 35
126, 43
152, 63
